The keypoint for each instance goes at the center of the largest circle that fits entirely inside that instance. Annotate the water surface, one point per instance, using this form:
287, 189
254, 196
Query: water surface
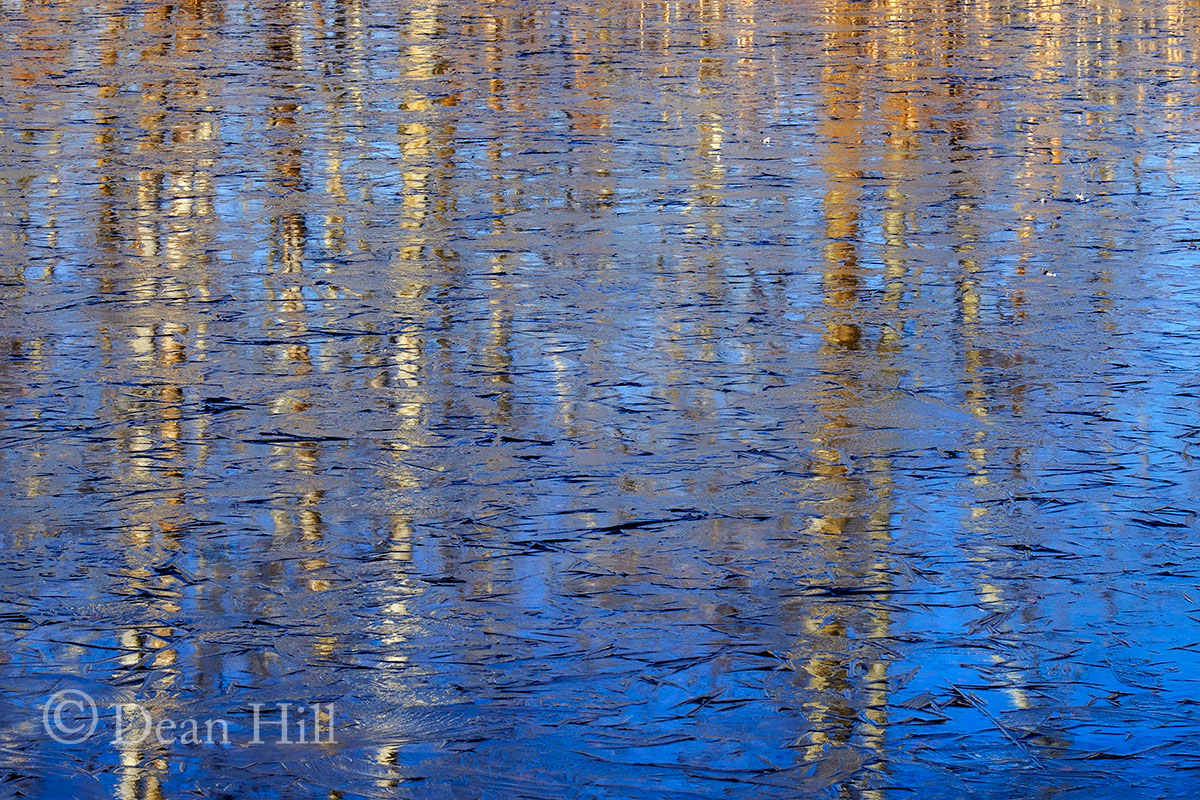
603, 399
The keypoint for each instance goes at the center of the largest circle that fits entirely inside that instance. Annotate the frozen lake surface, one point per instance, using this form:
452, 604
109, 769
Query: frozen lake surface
602, 399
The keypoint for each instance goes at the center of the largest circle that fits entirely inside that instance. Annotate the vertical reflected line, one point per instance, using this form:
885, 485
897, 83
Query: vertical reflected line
108, 151
426, 139
143, 763
843, 132
156, 256
847, 679
498, 352
706, 204
33, 201
148, 661
399, 629
1039, 177
287, 139
908, 33
504, 198
709, 189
